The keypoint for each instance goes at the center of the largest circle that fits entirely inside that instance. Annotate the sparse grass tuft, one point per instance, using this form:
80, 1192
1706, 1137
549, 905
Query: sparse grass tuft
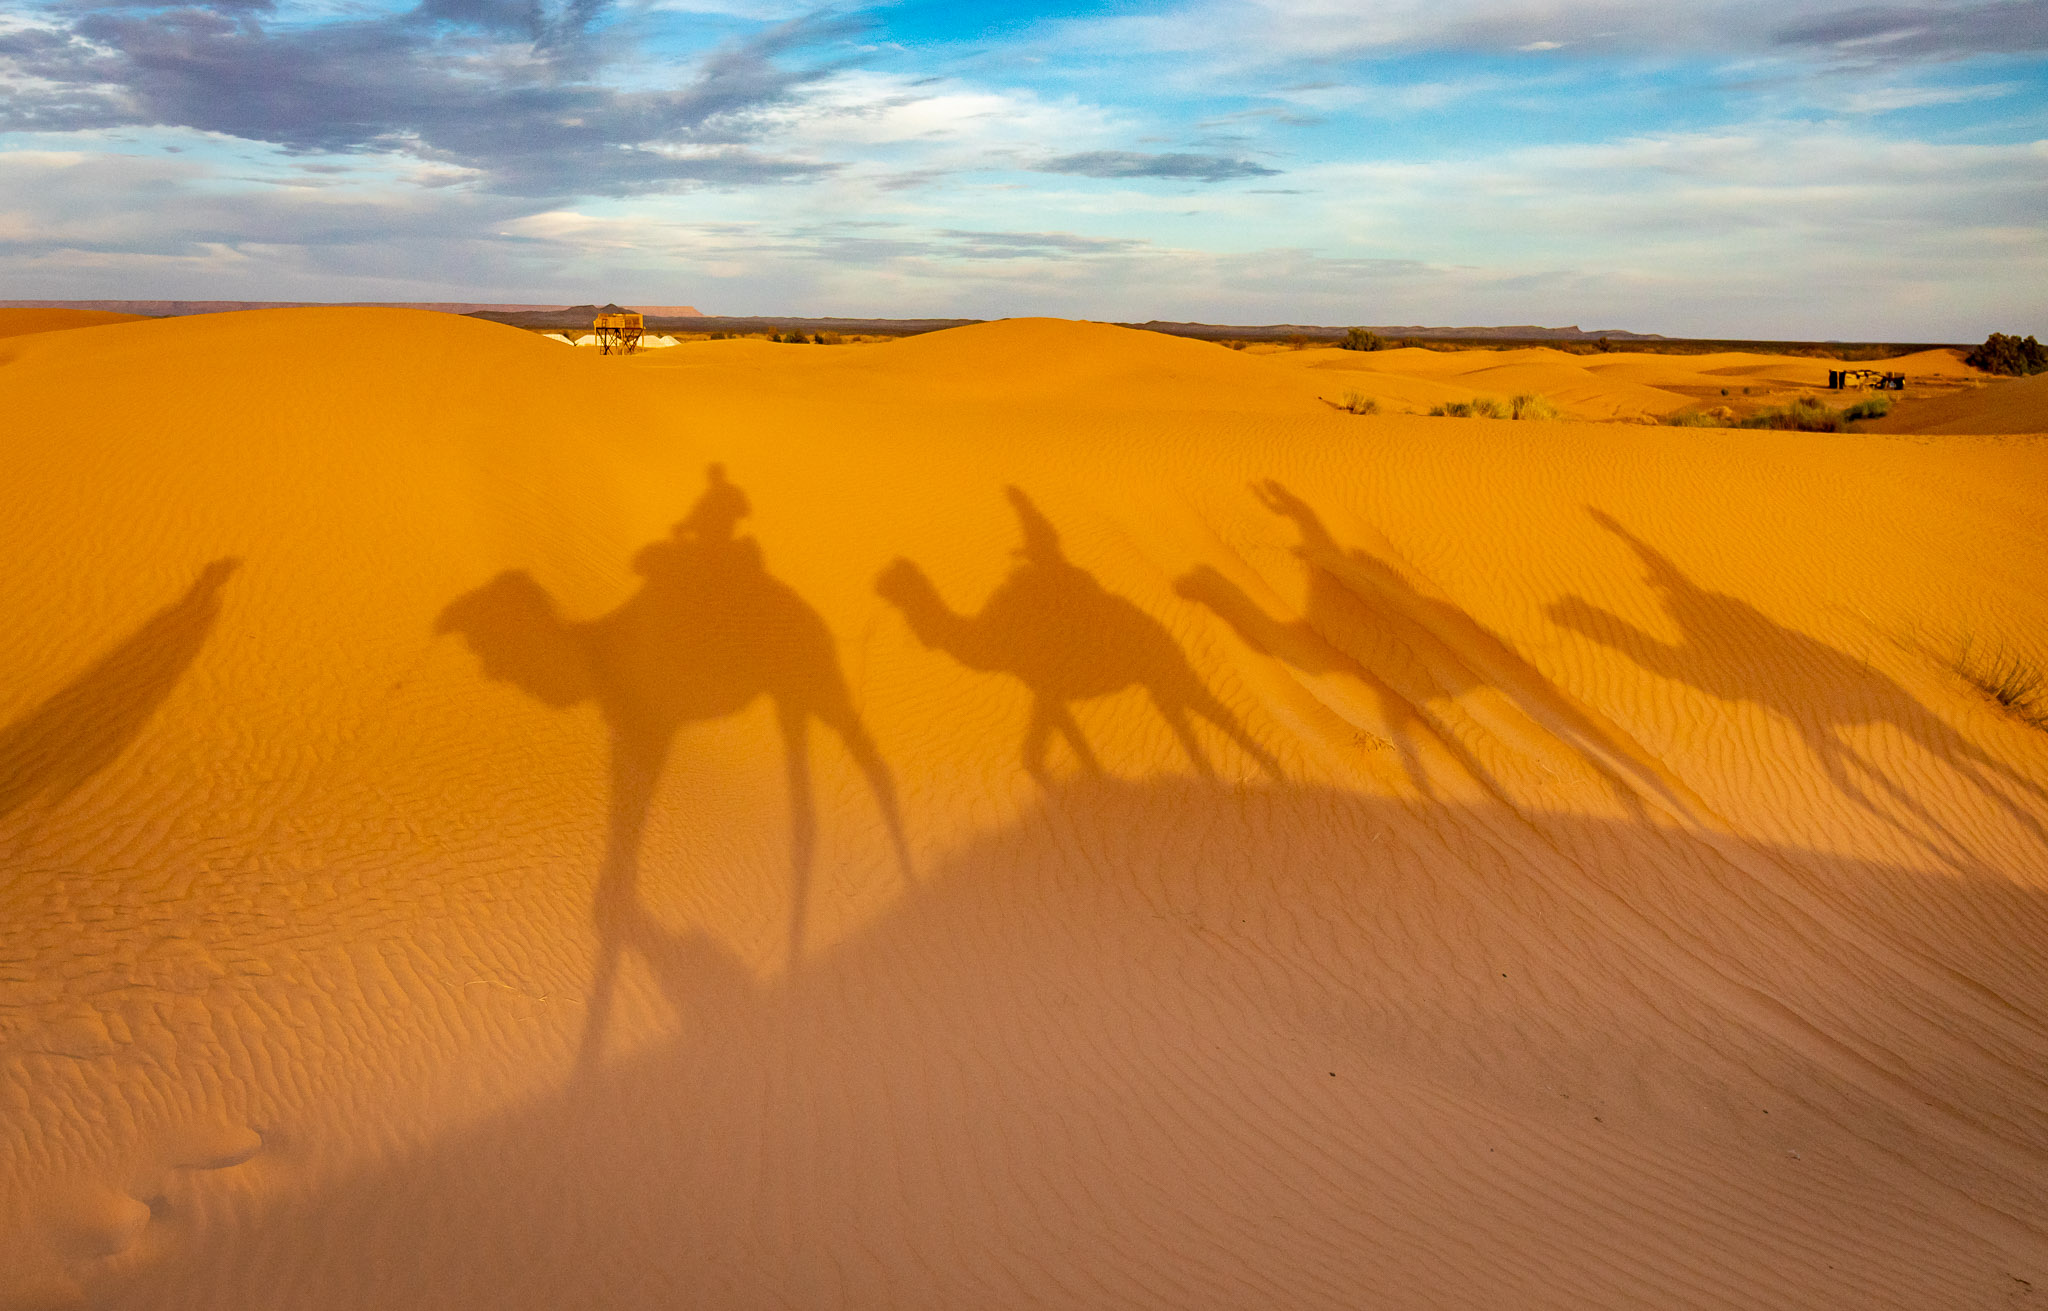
1359, 403
2016, 683
1806, 414
1486, 407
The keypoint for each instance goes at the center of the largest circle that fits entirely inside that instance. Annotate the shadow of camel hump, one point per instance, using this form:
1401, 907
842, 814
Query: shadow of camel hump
1732, 651
53, 750
1430, 666
1055, 629
709, 632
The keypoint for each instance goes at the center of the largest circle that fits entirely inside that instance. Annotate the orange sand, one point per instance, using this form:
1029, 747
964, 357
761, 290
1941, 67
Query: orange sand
1032, 815
16, 322
1621, 385
2003, 405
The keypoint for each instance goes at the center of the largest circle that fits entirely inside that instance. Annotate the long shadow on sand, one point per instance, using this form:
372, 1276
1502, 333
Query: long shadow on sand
51, 752
1055, 629
1422, 658
1734, 652
709, 632
1182, 1044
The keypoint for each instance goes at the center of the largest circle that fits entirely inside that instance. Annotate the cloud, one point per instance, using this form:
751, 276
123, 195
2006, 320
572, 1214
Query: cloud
1249, 34
1898, 32
500, 87
1132, 164
1885, 99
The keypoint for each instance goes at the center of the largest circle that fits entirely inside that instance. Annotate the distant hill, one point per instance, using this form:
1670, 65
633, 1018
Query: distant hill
1279, 331
174, 308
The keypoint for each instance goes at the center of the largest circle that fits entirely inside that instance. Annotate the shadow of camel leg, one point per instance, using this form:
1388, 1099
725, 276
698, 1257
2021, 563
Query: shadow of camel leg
615, 906
1176, 717
1836, 756
1047, 715
862, 748
803, 819
1982, 767
1062, 718
1213, 710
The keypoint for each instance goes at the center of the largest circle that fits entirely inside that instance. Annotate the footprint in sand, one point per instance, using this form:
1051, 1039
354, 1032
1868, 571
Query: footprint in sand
216, 1147
98, 1221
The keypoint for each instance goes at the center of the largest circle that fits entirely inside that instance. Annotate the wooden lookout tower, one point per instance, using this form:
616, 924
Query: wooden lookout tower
618, 334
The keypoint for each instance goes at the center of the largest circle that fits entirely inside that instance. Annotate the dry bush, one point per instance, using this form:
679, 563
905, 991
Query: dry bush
2015, 356
2017, 684
1528, 406
1359, 403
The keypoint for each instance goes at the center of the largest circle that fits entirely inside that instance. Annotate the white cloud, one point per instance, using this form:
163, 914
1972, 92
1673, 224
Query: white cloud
1880, 100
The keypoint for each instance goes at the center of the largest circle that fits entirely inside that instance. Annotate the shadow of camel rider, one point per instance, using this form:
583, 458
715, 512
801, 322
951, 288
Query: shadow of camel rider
1732, 651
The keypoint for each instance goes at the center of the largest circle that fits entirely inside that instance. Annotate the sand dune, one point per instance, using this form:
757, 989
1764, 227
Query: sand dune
2015, 405
20, 322
1618, 385
1033, 814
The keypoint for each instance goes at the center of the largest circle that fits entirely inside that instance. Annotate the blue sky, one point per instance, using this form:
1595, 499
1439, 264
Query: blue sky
1798, 168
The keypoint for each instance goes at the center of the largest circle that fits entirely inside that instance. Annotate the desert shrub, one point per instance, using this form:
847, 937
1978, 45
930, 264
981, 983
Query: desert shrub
2014, 356
1479, 407
1362, 339
1359, 403
1807, 414
1694, 419
719, 336
830, 339
2017, 684
1870, 407
1527, 406
1297, 341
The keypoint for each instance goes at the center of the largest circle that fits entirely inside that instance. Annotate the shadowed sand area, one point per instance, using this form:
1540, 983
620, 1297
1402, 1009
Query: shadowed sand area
1254, 855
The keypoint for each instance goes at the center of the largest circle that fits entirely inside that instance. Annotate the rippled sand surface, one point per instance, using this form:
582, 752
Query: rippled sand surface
1037, 814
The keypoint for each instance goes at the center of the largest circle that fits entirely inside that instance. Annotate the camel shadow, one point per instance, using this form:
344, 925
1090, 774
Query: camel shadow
1734, 652
1055, 629
708, 633
1429, 665
1305, 645
53, 750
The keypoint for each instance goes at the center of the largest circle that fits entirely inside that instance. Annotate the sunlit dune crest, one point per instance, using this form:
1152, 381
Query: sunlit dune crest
1250, 854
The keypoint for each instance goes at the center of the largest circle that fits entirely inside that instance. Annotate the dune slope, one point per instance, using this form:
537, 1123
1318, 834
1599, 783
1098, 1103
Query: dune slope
1036, 814
20, 322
